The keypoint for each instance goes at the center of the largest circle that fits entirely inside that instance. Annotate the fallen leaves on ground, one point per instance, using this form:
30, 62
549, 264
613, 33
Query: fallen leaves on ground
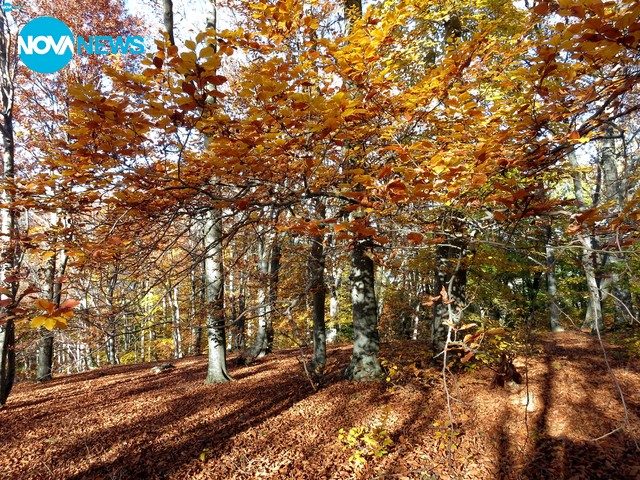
124, 422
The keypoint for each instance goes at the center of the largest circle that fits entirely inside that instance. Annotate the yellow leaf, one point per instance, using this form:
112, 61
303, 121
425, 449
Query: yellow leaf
61, 323
207, 51
50, 323
38, 322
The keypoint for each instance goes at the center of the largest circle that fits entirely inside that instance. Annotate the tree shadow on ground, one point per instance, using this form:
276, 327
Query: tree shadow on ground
186, 428
557, 457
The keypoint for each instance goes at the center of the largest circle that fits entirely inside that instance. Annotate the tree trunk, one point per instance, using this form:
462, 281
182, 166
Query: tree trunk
8, 225
110, 345
175, 320
450, 274
319, 293
260, 346
365, 363
593, 320
274, 279
44, 358
552, 290
196, 308
240, 337
335, 283
214, 285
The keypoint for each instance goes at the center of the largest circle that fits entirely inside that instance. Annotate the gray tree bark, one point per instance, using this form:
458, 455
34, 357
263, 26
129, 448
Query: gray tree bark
214, 281
365, 362
214, 270
552, 284
174, 301
268, 259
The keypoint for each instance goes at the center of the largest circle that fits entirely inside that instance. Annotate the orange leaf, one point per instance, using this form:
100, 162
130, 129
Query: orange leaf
42, 304
70, 303
415, 238
467, 357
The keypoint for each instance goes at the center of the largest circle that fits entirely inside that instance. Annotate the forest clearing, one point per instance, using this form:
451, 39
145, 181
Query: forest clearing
320, 239
125, 422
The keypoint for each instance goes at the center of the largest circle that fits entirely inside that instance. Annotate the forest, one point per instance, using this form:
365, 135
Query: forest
322, 239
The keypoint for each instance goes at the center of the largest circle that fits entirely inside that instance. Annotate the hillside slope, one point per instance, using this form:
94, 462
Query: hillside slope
125, 422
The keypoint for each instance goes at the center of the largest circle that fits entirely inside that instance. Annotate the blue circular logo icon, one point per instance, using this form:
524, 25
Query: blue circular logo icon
45, 44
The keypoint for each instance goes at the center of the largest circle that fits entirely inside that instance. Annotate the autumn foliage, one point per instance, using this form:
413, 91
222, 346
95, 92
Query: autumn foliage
468, 168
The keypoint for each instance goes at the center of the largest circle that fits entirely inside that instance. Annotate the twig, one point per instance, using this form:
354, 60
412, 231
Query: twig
607, 434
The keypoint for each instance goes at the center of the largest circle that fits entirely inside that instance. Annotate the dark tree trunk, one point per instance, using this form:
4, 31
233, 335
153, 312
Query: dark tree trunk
241, 327
7, 359
365, 363
9, 254
274, 279
319, 293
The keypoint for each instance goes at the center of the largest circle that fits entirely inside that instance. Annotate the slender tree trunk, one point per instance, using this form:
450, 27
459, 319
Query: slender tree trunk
260, 346
365, 362
274, 280
335, 283
175, 319
451, 274
214, 284
552, 290
197, 307
319, 293
8, 224
44, 364
593, 319
213, 268
241, 321
112, 322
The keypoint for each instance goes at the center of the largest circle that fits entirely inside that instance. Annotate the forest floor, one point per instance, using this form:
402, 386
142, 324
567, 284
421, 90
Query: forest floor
124, 422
